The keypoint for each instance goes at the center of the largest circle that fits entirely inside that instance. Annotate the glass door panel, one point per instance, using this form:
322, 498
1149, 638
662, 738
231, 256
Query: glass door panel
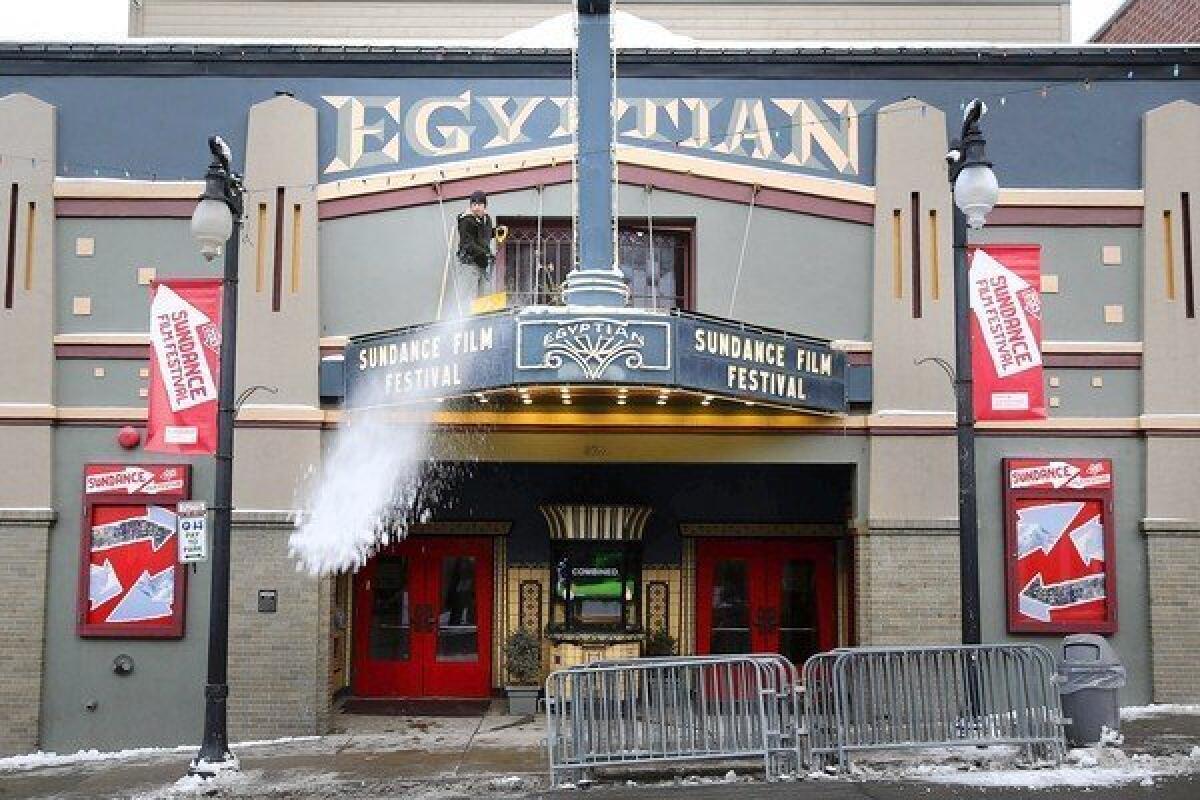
390, 632
798, 610
457, 623
730, 608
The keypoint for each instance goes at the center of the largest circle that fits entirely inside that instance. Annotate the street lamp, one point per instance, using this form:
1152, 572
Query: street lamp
216, 221
975, 193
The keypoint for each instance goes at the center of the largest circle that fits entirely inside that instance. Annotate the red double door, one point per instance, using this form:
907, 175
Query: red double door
765, 596
423, 620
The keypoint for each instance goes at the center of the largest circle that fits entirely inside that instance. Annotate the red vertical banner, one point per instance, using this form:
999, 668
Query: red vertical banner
1006, 331
1061, 543
185, 364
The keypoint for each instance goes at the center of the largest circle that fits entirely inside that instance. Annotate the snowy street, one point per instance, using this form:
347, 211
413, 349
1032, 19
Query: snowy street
497, 756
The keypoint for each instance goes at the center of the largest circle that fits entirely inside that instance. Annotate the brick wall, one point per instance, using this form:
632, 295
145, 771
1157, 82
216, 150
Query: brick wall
24, 539
278, 662
1173, 556
1149, 21
906, 583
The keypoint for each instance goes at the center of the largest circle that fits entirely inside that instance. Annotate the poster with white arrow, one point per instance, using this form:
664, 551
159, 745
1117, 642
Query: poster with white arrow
131, 584
1061, 545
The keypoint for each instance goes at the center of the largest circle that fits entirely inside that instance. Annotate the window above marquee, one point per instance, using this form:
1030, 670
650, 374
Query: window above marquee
534, 261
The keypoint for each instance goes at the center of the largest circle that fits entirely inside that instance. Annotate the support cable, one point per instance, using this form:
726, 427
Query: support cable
653, 268
437, 189
737, 278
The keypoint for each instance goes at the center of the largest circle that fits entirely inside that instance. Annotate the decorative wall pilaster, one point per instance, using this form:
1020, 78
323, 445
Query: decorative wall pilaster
1170, 394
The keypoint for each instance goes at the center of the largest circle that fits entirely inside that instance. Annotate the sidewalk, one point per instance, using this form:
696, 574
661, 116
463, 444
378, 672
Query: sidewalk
493, 756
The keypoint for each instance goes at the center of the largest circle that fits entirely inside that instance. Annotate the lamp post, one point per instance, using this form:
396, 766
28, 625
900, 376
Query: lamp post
216, 221
975, 193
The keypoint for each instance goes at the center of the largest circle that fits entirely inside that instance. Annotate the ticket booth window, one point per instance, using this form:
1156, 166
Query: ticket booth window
596, 585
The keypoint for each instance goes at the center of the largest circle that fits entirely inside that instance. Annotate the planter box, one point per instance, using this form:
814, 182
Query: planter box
522, 700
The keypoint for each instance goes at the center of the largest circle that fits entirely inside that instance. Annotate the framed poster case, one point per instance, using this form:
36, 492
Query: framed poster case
1060, 550
131, 584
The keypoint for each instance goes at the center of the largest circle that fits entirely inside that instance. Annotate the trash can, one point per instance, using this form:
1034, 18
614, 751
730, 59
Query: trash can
1090, 676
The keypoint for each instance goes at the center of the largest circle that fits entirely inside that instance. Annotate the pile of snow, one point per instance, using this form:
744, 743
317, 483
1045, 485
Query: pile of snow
1158, 710
629, 33
50, 759
1090, 767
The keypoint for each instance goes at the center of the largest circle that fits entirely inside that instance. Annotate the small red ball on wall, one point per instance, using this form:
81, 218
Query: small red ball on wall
129, 437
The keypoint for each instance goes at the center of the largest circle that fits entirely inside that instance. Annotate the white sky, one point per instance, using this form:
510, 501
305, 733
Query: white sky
106, 20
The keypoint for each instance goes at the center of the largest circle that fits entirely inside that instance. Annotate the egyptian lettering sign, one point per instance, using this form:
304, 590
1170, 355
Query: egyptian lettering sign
1061, 549
601, 346
131, 584
612, 347
381, 132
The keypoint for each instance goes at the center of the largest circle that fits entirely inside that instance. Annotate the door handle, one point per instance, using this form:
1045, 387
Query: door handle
423, 618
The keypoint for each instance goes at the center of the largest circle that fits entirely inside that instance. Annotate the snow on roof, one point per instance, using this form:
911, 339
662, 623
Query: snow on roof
629, 32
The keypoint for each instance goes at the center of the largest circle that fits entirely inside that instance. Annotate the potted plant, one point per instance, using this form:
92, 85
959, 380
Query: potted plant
659, 643
523, 658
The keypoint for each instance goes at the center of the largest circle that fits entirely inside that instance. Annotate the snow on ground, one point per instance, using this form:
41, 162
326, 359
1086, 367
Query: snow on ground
1158, 710
44, 759
1098, 766
40, 759
376, 734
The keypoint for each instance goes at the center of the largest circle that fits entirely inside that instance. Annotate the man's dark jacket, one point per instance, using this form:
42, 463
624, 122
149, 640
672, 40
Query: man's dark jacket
474, 239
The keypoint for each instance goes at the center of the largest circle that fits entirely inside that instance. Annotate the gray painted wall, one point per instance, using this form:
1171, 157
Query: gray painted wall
109, 277
1132, 640
162, 702
384, 270
1119, 395
1085, 284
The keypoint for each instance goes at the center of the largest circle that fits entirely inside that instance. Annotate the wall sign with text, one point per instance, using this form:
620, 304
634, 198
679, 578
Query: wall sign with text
1059, 534
131, 584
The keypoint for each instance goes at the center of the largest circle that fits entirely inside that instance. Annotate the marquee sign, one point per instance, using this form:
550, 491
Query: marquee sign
600, 346
1060, 545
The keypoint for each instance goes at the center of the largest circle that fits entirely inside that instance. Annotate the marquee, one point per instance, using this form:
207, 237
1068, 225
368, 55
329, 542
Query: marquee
595, 346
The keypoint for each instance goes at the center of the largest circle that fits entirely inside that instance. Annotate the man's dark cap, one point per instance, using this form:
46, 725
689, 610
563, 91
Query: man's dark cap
478, 197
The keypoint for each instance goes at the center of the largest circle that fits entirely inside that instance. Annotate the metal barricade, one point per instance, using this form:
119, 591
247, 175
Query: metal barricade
872, 698
675, 709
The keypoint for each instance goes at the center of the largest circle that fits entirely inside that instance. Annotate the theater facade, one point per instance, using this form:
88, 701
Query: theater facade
757, 453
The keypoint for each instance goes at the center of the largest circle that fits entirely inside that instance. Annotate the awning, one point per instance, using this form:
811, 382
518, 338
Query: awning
608, 522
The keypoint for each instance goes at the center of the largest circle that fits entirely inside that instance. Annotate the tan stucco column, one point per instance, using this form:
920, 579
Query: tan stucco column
1171, 398
28, 128
278, 661
906, 559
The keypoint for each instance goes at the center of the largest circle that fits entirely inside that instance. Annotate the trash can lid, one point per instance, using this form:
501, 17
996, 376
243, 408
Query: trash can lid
1089, 649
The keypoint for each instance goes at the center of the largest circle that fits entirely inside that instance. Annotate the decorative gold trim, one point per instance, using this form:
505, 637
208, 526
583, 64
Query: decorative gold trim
44, 411
765, 177
279, 412
596, 522
1094, 198
761, 529
127, 189
461, 528
446, 171
626, 154
130, 337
